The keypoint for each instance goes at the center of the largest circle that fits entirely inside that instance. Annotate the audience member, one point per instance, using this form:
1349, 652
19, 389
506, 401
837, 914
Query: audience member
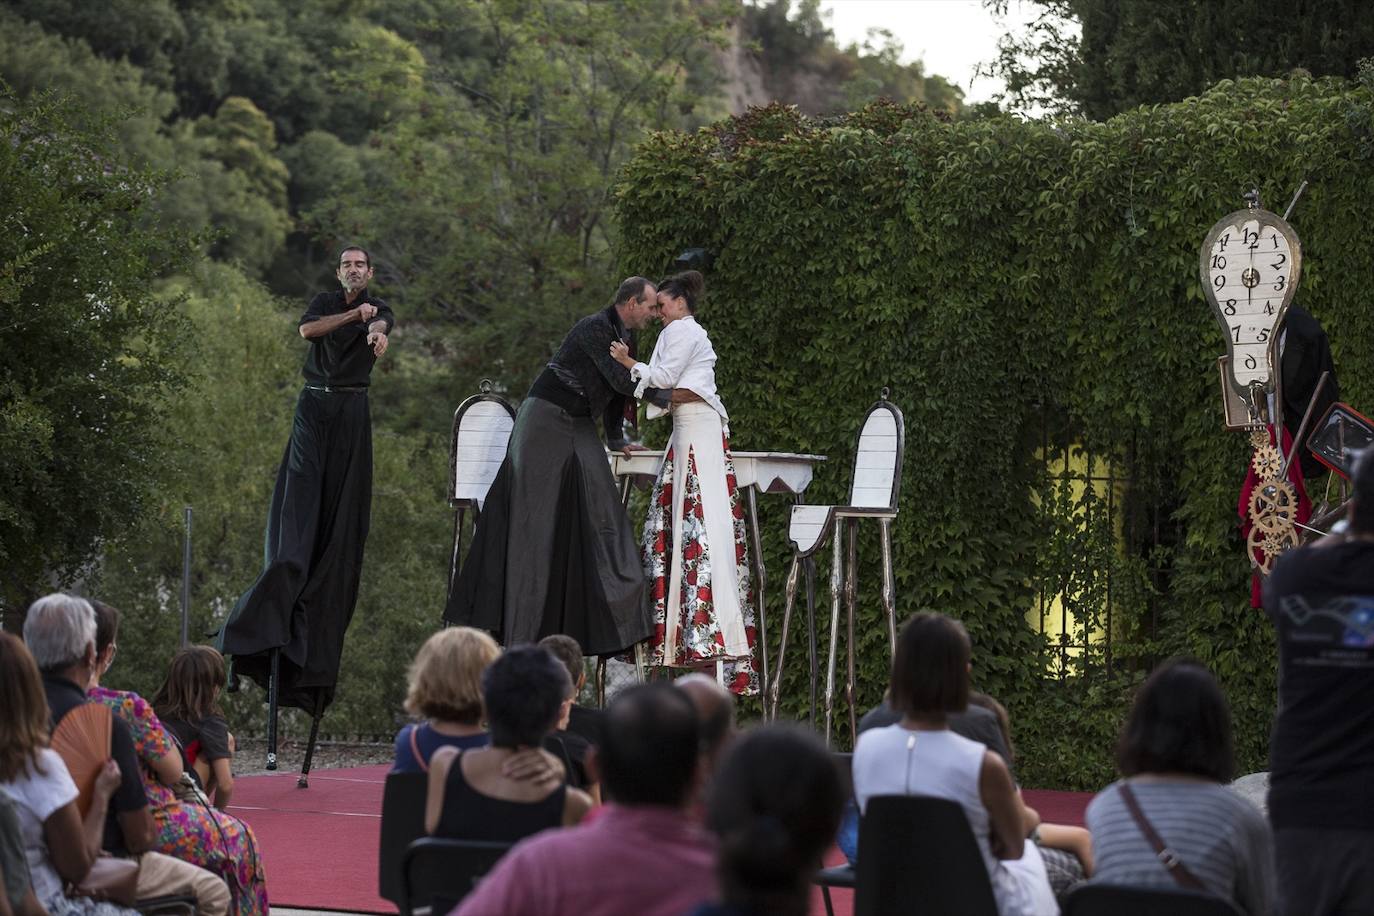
1176, 756
1067, 851
565, 742
643, 855
188, 705
775, 804
60, 633
1321, 756
18, 897
715, 708
60, 845
582, 720
921, 756
445, 686
526, 692
186, 829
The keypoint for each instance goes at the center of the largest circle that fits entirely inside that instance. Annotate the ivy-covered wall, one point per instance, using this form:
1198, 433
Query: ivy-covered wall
1016, 285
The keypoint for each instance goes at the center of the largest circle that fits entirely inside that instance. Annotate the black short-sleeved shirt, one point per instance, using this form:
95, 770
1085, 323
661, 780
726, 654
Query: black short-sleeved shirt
342, 357
1321, 753
206, 740
63, 697
586, 722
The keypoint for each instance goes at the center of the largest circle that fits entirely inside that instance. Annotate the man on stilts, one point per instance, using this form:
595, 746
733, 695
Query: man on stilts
286, 632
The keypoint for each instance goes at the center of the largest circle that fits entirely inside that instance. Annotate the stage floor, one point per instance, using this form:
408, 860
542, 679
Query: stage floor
320, 845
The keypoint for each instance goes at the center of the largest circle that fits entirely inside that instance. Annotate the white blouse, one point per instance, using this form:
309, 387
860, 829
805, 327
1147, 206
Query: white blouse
683, 358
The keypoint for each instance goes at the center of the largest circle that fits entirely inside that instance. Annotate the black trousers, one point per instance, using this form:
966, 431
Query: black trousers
304, 598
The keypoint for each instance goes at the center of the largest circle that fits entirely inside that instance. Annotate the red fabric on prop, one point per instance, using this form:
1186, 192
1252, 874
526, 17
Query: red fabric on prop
1243, 508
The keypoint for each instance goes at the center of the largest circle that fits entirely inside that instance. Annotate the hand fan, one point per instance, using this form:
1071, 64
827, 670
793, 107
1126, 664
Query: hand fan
82, 740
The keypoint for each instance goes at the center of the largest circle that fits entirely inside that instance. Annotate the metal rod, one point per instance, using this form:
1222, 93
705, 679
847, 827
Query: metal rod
601, 682
850, 597
186, 583
889, 585
1294, 202
760, 587
809, 565
272, 680
1302, 427
836, 571
790, 588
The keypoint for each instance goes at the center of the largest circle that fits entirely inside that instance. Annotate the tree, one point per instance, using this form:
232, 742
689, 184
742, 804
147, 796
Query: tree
91, 349
1102, 57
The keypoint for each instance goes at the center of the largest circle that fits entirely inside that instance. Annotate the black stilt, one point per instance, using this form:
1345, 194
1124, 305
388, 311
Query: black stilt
304, 781
272, 710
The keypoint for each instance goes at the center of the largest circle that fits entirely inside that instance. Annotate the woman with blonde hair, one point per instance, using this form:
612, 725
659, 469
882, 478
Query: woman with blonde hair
445, 687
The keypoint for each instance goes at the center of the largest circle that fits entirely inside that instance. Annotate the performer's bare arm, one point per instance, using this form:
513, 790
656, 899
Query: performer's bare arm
327, 323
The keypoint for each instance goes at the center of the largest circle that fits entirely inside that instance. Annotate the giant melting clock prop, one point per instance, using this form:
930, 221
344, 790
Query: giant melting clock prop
1250, 264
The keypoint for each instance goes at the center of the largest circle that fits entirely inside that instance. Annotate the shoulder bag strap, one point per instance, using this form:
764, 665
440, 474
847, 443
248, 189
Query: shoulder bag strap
1167, 856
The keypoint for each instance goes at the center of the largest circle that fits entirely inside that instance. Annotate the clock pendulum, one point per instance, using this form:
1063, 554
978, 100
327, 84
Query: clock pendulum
1249, 264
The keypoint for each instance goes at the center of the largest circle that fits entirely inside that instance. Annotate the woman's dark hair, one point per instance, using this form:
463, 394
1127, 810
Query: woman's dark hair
106, 625
930, 669
1180, 723
191, 691
775, 805
689, 284
522, 691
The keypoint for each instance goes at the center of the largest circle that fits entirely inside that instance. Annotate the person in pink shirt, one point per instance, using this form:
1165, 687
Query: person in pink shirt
643, 855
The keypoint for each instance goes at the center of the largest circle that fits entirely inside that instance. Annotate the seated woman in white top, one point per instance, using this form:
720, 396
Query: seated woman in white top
921, 756
60, 844
694, 537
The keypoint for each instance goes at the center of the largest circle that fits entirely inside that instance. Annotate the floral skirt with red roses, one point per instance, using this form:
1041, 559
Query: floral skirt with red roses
695, 556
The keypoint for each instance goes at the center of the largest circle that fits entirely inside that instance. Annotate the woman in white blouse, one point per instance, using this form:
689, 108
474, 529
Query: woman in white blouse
694, 537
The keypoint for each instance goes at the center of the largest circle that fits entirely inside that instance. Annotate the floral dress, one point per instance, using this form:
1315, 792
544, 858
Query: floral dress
195, 833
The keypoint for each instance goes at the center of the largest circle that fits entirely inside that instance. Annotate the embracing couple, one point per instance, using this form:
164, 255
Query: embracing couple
554, 551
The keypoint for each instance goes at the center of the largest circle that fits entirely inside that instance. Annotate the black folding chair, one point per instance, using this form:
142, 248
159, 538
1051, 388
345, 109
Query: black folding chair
403, 822
917, 854
1120, 900
838, 875
438, 873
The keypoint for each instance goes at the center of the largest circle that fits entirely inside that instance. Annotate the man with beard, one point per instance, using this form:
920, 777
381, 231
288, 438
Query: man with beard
291, 621
554, 551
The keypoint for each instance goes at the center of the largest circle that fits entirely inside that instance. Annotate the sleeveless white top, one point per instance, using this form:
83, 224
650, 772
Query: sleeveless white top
941, 764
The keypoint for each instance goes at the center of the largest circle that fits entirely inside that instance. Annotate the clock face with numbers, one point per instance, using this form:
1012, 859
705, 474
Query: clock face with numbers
1250, 264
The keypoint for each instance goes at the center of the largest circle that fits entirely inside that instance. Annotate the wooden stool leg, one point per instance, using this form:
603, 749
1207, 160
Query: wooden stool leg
775, 687
601, 682
850, 595
760, 585
836, 571
889, 585
304, 781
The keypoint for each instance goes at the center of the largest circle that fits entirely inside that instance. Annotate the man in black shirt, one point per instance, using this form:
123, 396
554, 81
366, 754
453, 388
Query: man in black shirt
303, 600
555, 552
59, 631
1321, 754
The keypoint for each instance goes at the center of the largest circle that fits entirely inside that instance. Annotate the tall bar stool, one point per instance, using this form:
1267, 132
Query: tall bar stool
481, 431
873, 494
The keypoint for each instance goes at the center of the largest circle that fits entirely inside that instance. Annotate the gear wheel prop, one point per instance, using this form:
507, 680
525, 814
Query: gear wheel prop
1273, 506
1266, 461
1259, 438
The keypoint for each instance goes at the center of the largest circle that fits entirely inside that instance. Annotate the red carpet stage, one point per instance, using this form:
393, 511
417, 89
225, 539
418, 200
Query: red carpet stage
319, 845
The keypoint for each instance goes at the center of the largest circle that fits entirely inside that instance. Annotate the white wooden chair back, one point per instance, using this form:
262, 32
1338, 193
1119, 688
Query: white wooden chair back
808, 527
481, 431
878, 461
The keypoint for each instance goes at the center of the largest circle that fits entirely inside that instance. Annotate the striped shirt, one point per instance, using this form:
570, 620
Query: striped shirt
1222, 839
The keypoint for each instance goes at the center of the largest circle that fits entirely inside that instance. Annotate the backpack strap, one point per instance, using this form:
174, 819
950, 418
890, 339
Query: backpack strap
1167, 856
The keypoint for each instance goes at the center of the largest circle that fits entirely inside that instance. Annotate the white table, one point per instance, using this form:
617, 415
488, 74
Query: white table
755, 472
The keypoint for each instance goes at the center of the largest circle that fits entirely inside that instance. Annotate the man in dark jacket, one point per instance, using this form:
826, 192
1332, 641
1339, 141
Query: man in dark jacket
554, 551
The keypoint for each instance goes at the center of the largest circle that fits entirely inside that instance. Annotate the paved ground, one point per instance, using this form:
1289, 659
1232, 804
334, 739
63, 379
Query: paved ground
251, 757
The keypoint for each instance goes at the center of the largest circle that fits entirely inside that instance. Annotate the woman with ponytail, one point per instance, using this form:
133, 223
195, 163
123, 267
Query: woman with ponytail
774, 807
694, 537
